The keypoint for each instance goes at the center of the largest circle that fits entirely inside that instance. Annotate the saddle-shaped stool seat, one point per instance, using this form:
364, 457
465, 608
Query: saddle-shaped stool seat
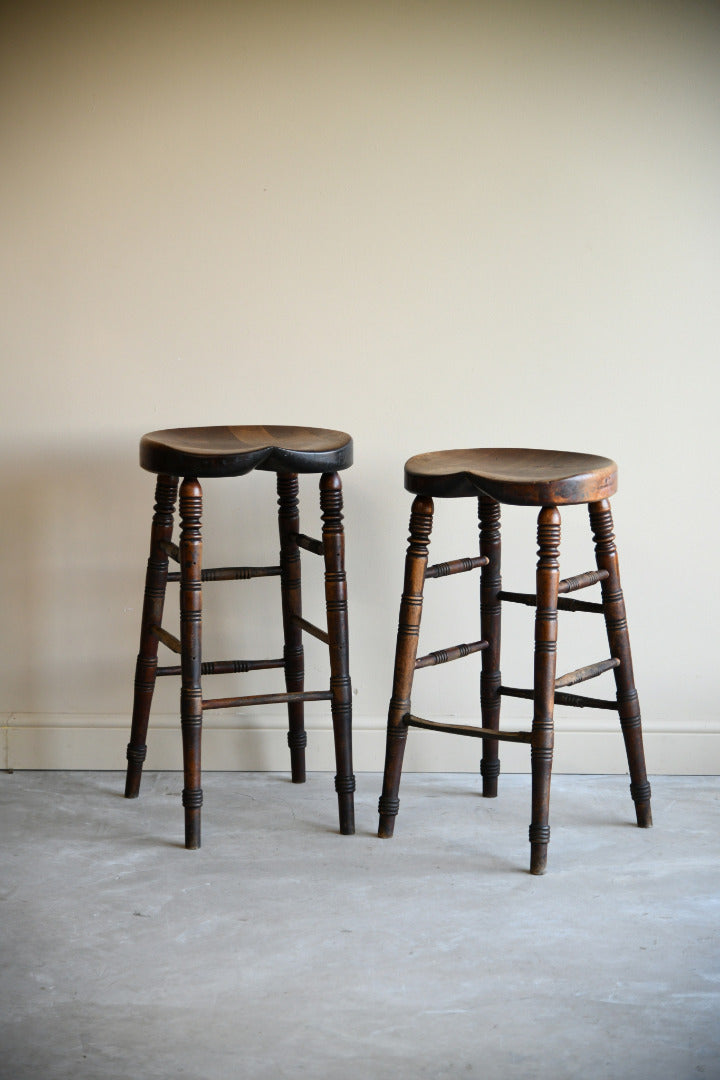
523, 477
194, 453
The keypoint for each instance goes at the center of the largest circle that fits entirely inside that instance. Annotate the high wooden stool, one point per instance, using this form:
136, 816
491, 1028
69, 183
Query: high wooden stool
547, 479
234, 451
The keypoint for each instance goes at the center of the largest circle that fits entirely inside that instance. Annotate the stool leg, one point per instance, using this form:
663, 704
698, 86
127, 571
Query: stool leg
541, 753
153, 603
191, 654
421, 520
490, 612
333, 536
291, 590
619, 640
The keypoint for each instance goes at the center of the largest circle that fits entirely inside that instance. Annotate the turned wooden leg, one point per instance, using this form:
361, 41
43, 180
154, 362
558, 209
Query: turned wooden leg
291, 590
153, 603
619, 641
405, 655
333, 536
541, 753
490, 610
191, 653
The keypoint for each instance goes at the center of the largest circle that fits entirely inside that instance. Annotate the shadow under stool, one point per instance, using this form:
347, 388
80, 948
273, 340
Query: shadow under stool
194, 453
546, 479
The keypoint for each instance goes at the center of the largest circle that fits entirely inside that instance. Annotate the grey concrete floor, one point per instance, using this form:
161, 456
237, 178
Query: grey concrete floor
282, 949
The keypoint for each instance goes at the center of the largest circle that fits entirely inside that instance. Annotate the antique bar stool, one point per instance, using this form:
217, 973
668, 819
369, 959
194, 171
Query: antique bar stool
234, 451
547, 479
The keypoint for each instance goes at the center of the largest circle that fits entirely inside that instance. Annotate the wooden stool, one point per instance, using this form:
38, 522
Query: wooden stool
235, 451
547, 479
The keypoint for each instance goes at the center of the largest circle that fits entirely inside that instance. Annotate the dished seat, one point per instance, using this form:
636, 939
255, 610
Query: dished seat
522, 477
236, 451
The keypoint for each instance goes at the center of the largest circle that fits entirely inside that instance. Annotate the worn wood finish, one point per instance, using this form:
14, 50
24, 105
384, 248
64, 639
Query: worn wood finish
235, 451
333, 537
619, 641
583, 674
291, 593
153, 604
521, 477
490, 627
191, 708
541, 753
467, 729
416, 560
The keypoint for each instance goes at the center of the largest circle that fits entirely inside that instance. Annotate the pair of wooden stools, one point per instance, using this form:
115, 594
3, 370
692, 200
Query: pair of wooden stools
542, 478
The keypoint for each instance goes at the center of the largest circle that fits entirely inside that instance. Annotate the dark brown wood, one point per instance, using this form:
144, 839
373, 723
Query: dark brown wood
416, 560
235, 451
227, 667
309, 544
455, 566
466, 729
191, 706
520, 476
581, 581
576, 700
152, 613
291, 593
333, 536
296, 697
446, 656
490, 629
564, 603
234, 573
310, 628
619, 641
541, 753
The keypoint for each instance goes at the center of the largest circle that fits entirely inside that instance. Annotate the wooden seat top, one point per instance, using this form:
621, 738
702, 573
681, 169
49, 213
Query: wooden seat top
520, 477
235, 451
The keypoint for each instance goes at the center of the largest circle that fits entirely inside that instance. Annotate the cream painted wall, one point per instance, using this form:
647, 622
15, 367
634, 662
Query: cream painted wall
429, 224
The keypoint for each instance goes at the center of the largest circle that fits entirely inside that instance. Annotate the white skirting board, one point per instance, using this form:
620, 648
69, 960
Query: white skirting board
258, 744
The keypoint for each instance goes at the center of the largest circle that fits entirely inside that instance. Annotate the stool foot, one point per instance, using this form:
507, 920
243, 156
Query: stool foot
192, 819
135, 758
297, 741
490, 771
538, 859
388, 810
641, 797
345, 788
